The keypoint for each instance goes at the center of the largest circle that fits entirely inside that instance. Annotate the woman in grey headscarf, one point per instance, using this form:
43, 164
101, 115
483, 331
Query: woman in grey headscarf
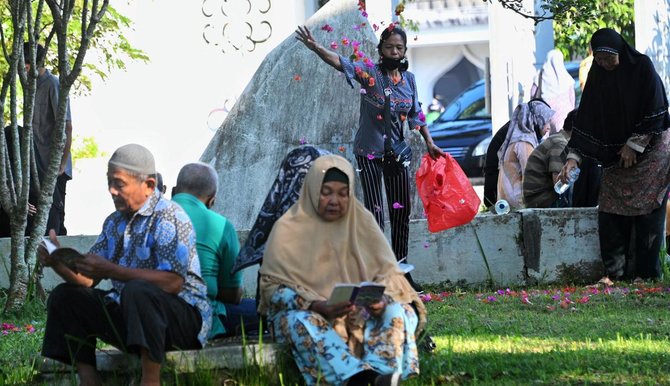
530, 121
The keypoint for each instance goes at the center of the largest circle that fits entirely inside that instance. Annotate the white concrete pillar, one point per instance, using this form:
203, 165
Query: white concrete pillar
544, 37
512, 50
652, 35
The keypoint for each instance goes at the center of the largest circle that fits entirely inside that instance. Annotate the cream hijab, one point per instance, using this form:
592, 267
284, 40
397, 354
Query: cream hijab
556, 80
311, 255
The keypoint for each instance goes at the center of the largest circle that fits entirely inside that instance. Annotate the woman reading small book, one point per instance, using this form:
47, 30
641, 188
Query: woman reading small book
326, 238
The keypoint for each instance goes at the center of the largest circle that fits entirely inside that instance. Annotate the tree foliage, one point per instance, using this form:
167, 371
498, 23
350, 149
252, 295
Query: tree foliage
576, 20
109, 50
68, 28
572, 33
85, 147
556, 10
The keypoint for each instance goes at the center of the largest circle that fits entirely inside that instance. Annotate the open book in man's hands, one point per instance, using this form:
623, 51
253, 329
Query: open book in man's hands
362, 294
67, 256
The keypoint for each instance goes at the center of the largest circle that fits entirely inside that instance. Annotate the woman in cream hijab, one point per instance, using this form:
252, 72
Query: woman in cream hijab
328, 237
554, 84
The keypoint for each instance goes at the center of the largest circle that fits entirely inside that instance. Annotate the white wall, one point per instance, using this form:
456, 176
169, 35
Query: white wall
512, 47
173, 104
652, 35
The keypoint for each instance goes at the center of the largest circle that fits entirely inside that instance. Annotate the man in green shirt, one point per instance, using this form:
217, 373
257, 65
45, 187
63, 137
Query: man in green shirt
217, 246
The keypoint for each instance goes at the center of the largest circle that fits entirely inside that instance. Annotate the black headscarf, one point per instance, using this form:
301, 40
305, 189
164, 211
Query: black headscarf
620, 103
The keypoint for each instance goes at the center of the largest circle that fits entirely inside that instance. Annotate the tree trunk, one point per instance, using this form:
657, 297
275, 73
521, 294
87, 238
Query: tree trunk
15, 171
19, 277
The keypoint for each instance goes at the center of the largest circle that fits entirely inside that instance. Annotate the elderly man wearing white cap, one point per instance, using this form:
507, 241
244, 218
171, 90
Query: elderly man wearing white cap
158, 299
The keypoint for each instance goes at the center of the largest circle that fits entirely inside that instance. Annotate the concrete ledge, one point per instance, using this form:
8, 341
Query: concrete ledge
530, 246
228, 356
568, 246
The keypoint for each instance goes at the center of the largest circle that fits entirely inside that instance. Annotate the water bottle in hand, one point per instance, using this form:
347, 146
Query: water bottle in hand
561, 187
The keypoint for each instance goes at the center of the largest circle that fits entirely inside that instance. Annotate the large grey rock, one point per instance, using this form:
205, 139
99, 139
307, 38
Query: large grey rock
275, 111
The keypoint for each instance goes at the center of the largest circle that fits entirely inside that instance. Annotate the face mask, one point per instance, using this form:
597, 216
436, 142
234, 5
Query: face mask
391, 63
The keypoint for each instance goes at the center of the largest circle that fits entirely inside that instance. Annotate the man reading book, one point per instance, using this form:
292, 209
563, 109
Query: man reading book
147, 249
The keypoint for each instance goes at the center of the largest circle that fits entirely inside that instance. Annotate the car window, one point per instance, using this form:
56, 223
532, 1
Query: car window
451, 112
466, 105
476, 109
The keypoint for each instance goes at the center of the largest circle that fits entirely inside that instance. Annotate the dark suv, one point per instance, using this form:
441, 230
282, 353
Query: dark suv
464, 128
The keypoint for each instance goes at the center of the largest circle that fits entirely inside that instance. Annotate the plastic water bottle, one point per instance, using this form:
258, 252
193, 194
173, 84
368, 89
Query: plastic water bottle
561, 187
500, 207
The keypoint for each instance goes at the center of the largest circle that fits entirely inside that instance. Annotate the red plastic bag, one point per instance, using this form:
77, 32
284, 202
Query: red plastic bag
447, 195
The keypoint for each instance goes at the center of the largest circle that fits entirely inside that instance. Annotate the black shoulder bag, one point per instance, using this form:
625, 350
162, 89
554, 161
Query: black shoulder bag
398, 155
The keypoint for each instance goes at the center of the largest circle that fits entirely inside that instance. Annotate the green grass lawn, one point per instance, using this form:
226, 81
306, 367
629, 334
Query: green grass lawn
573, 335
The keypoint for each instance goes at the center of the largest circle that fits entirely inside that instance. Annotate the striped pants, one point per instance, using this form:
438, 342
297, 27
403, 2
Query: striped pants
397, 200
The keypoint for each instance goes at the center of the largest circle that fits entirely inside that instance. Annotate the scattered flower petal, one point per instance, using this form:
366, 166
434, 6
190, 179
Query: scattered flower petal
371, 157
397, 205
363, 91
297, 77
333, 45
303, 140
361, 5
327, 28
342, 149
